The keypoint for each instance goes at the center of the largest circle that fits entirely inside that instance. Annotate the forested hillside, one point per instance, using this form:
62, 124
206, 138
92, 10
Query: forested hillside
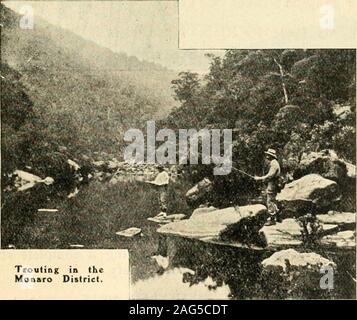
17, 121
294, 101
86, 95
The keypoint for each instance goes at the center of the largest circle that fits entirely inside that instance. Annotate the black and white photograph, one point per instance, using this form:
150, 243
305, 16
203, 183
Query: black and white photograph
227, 174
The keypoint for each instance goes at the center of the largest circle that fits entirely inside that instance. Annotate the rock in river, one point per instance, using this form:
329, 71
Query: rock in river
344, 220
292, 274
201, 210
215, 223
282, 235
290, 258
312, 190
343, 239
326, 163
199, 192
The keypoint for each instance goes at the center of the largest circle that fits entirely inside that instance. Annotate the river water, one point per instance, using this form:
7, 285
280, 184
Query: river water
196, 270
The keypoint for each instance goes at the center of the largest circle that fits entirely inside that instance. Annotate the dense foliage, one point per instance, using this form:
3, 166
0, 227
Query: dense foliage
294, 101
86, 95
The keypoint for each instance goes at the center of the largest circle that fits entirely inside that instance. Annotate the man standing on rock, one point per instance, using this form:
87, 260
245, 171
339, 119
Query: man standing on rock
161, 183
271, 178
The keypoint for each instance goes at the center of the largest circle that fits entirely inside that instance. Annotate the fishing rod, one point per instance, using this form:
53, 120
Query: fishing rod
241, 171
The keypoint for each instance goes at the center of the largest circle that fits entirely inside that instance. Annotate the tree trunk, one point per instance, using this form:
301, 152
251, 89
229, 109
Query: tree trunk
282, 81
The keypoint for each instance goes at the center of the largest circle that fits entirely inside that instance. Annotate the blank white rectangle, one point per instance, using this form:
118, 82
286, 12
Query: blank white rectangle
251, 24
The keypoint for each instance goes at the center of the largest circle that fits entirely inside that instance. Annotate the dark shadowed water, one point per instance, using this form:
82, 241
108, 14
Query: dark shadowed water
221, 272
196, 269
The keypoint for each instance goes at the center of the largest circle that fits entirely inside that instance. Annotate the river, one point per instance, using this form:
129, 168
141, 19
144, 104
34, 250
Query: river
196, 270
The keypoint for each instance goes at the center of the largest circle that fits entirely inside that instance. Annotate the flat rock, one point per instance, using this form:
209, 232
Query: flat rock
300, 195
345, 220
329, 228
168, 218
288, 234
211, 224
293, 228
282, 235
342, 239
129, 233
200, 210
47, 210
289, 226
294, 259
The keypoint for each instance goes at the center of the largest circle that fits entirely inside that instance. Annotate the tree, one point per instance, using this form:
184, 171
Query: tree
187, 87
272, 98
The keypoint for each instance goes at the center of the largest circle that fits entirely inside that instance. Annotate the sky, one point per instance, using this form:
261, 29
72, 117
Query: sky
145, 29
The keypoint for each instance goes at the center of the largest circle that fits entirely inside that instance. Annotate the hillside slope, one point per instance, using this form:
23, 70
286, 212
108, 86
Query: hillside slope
76, 83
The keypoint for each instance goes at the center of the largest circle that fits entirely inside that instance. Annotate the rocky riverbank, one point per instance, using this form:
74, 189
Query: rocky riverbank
313, 219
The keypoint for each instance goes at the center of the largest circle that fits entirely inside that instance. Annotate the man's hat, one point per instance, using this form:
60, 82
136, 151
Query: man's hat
271, 152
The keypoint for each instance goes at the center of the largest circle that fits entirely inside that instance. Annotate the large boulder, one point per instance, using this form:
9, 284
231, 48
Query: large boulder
292, 274
213, 224
308, 193
330, 166
325, 163
292, 259
200, 192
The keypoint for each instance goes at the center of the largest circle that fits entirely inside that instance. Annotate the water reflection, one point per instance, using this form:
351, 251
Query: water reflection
200, 270
175, 284
239, 269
